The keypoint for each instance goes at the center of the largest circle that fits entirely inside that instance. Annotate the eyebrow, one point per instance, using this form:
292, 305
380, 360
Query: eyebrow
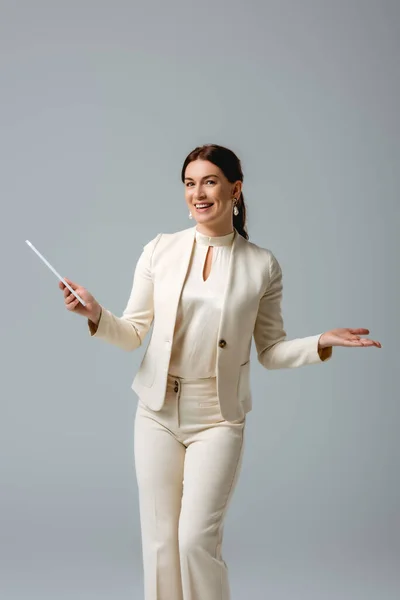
205, 177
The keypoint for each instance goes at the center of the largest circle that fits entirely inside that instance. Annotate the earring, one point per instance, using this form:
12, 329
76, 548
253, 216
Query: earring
190, 215
235, 208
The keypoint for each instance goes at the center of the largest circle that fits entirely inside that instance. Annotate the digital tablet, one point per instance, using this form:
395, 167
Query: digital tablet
55, 272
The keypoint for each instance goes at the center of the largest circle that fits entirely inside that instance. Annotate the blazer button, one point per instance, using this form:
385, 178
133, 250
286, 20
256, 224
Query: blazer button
222, 343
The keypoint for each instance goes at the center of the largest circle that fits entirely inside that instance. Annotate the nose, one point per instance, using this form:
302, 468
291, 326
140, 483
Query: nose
198, 193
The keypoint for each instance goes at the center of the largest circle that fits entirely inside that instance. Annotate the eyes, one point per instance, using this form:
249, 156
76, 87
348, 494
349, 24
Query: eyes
189, 183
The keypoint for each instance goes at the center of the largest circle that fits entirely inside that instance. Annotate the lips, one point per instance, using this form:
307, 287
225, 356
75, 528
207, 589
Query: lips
203, 206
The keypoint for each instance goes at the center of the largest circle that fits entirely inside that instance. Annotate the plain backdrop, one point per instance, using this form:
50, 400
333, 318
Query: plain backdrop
100, 103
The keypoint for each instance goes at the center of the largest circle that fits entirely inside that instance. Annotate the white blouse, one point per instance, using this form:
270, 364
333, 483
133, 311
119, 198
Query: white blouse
194, 348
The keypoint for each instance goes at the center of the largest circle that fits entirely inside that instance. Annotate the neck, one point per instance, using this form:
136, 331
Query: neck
214, 230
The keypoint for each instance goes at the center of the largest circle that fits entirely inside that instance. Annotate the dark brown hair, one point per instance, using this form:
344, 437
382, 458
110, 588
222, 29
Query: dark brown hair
231, 167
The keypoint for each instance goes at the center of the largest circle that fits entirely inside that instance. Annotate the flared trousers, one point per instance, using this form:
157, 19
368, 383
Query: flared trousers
187, 462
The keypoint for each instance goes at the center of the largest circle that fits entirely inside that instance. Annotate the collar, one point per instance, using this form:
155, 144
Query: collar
221, 240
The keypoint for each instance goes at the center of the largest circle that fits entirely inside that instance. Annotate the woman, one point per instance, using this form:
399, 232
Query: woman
209, 291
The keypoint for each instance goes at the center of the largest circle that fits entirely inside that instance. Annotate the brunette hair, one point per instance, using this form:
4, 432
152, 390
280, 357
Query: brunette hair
231, 167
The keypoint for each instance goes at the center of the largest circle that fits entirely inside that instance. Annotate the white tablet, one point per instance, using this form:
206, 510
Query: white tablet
55, 272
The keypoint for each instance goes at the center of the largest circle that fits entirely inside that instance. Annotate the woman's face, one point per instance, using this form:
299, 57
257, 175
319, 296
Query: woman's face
209, 195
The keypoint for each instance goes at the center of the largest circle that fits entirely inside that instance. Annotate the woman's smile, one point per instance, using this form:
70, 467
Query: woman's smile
203, 207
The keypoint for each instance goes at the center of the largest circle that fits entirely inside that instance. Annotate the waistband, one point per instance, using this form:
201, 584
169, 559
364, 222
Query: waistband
205, 384
184, 380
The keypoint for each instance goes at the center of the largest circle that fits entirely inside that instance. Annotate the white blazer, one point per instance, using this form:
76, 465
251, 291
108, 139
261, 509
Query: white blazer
251, 307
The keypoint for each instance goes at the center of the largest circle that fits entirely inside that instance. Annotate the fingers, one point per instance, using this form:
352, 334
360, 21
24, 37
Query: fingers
71, 283
365, 342
358, 341
61, 285
369, 342
67, 291
360, 331
69, 297
72, 304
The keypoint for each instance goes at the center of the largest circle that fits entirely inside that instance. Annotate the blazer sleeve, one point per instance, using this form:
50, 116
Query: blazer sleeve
128, 331
273, 350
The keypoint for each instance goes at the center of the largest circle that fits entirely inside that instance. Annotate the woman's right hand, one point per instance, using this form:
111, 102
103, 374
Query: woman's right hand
91, 311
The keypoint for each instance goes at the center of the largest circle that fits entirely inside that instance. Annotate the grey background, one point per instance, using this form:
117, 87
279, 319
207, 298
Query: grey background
100, 103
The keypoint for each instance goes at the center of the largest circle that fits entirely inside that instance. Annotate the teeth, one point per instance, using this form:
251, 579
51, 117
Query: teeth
202, 205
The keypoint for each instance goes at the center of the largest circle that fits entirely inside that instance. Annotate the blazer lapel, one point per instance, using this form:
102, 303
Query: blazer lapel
232, 281
183, 253
228, 355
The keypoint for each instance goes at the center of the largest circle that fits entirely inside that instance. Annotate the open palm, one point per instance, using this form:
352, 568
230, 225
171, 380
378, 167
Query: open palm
347, 337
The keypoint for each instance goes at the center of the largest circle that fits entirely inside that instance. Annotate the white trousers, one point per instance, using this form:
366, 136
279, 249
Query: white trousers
187, 461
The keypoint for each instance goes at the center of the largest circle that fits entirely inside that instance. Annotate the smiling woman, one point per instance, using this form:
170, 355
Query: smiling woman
210, 292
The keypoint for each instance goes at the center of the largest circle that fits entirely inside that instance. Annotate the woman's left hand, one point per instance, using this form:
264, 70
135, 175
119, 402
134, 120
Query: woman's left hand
346, 337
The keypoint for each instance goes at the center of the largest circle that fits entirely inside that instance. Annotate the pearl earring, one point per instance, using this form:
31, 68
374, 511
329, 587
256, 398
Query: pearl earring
190, 215
235, 208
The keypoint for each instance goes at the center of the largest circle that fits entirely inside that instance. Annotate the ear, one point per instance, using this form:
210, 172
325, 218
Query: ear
237, 189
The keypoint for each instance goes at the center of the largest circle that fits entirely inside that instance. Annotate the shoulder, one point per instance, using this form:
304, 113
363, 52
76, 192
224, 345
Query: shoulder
174, 234
262, 254
162, 241
177, 235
